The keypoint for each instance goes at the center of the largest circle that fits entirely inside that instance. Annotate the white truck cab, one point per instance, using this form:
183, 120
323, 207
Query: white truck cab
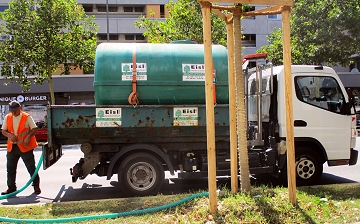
323, 112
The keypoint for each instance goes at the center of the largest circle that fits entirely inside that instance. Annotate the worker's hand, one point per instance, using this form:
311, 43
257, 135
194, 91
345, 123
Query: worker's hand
12, 137
27, 140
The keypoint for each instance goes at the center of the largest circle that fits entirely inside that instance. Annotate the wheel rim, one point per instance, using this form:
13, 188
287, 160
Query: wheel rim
141, 176
305, 168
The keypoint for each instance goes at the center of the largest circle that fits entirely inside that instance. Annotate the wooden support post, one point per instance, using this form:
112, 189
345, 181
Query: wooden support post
210, 124
289, 106
232, 107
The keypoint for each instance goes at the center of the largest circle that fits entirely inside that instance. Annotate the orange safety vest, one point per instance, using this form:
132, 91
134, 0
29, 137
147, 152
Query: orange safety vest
22, 132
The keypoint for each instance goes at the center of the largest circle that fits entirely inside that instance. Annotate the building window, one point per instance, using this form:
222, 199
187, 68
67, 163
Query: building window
128, 9
249, 8
3, 8
134, 9
129, 37
111, 37
103, 9
274, 17
134, 37
88, 8
249, 40
139, 9
140, 37
162, 11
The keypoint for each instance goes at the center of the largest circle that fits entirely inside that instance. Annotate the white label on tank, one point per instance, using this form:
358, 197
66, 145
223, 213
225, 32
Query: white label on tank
193, 72
186, 116
126, 70
108, 117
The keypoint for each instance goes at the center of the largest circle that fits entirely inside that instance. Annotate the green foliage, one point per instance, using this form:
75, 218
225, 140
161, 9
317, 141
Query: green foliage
321, 31
46, 35
185, 22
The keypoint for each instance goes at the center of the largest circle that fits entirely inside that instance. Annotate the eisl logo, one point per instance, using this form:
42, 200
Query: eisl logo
128, 67
127, 71
193, 72
108, 117
189, 111
193, 68
186, 116
112, 111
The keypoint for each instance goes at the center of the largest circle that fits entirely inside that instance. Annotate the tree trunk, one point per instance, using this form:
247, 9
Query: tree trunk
240, 104
51, 87
232, 107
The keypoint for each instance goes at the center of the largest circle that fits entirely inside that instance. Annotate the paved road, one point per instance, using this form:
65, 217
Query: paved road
57, 186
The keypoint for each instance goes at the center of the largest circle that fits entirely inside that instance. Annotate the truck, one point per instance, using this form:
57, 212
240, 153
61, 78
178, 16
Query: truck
149, 118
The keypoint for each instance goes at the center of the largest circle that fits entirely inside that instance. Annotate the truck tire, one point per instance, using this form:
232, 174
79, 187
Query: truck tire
308, 167
141, 174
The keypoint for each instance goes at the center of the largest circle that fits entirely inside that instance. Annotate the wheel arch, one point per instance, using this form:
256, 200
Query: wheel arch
309, 143
313, 144
152, 149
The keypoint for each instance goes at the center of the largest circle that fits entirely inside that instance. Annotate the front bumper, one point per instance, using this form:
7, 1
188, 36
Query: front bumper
353, 157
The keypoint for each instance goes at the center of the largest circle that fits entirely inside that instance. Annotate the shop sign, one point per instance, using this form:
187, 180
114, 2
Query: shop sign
23, 98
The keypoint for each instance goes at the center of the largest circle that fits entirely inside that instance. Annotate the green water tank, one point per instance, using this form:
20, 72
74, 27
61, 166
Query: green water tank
167, 74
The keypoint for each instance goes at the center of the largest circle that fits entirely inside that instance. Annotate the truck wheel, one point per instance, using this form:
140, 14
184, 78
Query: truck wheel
308, 167
141, 174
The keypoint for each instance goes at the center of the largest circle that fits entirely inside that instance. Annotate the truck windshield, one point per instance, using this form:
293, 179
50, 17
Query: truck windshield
323, 92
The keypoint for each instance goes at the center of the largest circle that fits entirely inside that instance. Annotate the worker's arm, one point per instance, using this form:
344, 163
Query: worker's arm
9, 135
33, 127
28, 136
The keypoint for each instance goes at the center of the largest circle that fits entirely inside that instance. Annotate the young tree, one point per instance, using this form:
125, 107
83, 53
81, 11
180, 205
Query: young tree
45, 36
185, 22
321, 31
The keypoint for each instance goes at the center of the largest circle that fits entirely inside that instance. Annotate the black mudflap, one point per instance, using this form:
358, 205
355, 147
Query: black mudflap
51, 155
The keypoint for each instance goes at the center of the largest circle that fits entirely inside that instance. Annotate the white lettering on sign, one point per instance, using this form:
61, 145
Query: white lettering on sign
108, 117
35, 98
193, 72
7, 98
22, 98
186, 116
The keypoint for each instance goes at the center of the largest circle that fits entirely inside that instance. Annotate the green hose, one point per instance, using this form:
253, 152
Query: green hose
107, 216
90, 217
28, 183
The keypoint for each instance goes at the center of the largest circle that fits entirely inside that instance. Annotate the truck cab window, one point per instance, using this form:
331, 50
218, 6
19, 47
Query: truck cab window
323, 92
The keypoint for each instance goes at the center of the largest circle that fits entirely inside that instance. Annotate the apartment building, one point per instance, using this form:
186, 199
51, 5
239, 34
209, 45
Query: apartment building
116, 19
119, 21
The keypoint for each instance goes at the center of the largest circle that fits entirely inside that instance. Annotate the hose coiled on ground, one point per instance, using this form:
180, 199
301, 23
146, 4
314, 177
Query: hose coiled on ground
84, 218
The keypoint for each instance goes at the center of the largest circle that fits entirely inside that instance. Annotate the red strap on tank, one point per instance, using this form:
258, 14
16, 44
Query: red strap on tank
133, 97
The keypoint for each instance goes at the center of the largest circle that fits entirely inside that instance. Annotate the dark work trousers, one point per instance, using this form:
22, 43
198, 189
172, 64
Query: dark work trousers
12, 161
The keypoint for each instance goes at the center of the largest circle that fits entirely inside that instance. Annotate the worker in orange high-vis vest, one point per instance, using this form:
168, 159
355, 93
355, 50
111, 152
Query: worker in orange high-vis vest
19, 127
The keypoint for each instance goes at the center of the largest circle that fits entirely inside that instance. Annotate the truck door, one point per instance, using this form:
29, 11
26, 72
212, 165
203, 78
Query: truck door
319, 113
